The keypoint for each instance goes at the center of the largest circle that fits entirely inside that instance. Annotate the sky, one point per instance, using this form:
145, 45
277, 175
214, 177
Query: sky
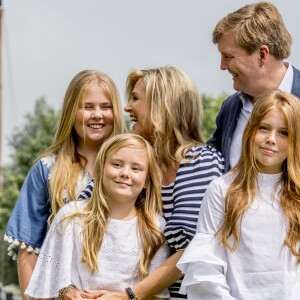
47, 42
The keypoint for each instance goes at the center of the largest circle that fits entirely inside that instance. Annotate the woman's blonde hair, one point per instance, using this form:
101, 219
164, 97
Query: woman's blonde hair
148, 204
241, 193
255, 25
173, 110
68, 167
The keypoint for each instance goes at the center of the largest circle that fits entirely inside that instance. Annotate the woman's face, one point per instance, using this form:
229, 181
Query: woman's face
137, 109
95, 118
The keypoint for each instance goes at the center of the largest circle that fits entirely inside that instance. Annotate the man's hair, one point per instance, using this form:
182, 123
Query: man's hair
256, 25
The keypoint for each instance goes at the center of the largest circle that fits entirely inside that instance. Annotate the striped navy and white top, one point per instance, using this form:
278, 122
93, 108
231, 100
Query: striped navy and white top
182, 199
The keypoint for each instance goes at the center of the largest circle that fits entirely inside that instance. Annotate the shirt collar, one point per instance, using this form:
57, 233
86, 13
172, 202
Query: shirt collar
247, 103
287, 81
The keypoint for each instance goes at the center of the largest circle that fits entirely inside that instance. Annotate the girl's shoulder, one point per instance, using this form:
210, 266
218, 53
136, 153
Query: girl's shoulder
222, 182
72, 207
44, 164
48, 160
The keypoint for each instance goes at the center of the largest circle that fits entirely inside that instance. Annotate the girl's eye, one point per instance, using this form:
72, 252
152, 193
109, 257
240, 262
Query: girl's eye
263, 128
106, 106
283, 133
136, 169
87, 106
116, 164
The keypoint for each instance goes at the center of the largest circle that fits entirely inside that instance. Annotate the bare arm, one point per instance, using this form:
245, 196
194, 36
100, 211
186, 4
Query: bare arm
160, 279
26, 264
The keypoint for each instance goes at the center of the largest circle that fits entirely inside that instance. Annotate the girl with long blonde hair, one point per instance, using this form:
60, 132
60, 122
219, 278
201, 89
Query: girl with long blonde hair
91, 113
247, 244
115, 238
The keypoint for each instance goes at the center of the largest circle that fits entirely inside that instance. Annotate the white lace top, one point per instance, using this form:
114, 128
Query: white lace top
59, 263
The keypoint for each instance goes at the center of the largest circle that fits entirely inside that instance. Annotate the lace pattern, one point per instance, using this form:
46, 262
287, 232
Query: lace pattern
59, 262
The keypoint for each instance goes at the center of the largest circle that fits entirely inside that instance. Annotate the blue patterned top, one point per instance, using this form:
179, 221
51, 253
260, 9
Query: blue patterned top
27, 225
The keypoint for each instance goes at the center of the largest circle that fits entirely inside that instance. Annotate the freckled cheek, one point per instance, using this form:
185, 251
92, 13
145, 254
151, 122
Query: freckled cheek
82, 116
108, 116
285, 149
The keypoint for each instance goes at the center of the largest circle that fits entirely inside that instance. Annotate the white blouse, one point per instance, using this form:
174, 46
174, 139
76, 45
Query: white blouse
261, 267
59, 262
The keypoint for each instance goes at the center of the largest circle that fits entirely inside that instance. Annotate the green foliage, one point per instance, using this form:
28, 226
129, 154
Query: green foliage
36, 135
211, 107
27, 144
127, 121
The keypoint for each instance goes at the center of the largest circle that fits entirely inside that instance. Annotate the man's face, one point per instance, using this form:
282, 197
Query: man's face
244, 67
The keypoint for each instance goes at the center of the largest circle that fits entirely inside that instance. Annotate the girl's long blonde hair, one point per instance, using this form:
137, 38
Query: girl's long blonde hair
148, 204
241, 193
174, 111
68, 167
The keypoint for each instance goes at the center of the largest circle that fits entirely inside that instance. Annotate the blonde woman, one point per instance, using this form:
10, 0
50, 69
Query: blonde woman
165, 108
90, 114
115, 238
248, 236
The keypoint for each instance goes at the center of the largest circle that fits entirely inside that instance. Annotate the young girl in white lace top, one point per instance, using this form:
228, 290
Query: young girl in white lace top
248, 236
115, 238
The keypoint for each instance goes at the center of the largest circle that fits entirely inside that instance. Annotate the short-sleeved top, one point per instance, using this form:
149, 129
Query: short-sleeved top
27, 225
59, 263
182, 199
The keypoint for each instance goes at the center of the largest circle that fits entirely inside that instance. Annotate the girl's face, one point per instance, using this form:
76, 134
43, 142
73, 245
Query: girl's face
95, 118
271, 142
125, 175
136, 107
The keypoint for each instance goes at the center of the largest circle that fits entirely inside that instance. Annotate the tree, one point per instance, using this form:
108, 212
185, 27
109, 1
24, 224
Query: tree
211, 107
27, 144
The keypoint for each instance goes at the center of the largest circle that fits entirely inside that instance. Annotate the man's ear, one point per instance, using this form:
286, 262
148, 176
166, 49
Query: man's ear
263, 54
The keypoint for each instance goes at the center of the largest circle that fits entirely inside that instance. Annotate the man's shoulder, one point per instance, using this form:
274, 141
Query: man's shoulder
296, 82
296, 70
231, 103
233, 98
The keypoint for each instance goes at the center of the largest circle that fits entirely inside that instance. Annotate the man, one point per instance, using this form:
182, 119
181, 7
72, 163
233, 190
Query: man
253, 42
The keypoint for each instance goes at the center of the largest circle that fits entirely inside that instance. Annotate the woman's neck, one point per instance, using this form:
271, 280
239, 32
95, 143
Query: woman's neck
169, 173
